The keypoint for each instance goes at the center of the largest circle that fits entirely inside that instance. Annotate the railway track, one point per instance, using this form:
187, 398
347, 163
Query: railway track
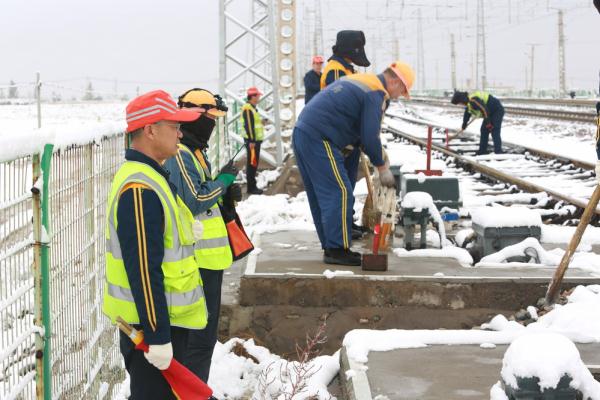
564, 180
563, 115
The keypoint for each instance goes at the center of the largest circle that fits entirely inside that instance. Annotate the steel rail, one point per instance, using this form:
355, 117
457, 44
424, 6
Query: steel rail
492, 172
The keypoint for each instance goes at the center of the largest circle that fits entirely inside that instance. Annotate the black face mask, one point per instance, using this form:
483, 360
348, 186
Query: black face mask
197, 133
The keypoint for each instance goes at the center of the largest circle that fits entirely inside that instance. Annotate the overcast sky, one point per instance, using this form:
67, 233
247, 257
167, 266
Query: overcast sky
174, 44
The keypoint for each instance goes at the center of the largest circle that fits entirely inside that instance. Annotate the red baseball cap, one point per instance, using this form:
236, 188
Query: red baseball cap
317, 60
155, 106
253, 91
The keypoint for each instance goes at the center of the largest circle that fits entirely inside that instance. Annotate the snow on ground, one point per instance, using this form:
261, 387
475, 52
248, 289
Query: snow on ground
237, 377
461, 255
62, 124
280, 212
571, 139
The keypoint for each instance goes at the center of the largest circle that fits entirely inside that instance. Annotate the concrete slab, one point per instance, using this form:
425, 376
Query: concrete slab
434, 372
299, 252
289, 271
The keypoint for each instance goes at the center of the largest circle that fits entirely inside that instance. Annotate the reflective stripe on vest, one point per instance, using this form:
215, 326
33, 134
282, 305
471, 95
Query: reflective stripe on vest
175, 253
258, 127
484, 96
213, 250
173, 299
333, 65
182, 282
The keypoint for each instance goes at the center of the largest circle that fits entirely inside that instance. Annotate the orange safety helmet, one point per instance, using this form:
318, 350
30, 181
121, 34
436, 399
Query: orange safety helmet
405, 73
253, 91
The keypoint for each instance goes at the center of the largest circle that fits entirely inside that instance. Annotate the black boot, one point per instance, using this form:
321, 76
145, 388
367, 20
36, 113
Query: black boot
255, 190
341, 257
362, 229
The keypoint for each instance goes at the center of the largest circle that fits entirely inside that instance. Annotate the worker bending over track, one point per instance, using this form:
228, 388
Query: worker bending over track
346, 115
481, 104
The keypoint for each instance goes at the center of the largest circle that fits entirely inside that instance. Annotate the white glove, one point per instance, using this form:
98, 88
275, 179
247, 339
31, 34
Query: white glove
197, 230
386, 178
160, 355
598, 171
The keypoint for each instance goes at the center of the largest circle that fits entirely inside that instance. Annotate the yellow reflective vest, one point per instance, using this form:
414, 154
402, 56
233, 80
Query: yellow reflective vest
254, 130
336, 66
213, 250
484, 96
182, 283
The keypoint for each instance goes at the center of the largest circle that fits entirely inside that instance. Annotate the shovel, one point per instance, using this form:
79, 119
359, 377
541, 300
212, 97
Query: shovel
554, 287
460, 131
370, 215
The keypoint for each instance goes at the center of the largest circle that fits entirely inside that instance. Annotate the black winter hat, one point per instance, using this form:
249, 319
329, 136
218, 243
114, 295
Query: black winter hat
351, 44
597, 4
460, 97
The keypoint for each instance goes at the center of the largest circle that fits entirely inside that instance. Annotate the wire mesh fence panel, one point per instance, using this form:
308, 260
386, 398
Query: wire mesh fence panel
85, 361
17, 328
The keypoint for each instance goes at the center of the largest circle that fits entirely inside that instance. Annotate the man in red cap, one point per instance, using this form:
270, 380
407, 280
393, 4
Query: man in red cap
312, 79
152, 278
253, 135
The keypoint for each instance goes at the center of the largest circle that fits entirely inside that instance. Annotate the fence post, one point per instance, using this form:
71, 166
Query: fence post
41, 265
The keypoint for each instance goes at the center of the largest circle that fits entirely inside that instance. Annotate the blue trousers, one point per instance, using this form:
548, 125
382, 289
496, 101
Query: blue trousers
328, 187
496, 120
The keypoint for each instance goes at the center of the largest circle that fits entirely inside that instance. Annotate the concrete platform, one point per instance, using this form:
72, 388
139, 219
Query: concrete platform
289, 271
434, 372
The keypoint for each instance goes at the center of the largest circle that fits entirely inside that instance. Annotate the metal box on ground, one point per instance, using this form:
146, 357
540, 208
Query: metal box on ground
529, 389
493, 239
409, 220
443, 189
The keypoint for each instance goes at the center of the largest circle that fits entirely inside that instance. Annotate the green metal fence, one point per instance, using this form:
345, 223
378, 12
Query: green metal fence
55, 343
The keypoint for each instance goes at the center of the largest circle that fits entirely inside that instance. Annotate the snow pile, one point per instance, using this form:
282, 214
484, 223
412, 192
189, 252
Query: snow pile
238, 377
275, 213
563, 234
267, 176
332, 274
421, 200
503, 217
586, 261
528, 356
461, 255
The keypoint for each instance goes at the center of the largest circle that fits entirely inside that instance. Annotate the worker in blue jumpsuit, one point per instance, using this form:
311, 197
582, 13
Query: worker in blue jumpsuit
481, 104
312, 79
348, 51
346, 114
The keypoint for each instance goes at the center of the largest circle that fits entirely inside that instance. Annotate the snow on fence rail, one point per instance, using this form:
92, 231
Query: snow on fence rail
54, 341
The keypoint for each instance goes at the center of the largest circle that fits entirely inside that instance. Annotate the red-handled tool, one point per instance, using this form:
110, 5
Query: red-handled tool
183, 382
377, 232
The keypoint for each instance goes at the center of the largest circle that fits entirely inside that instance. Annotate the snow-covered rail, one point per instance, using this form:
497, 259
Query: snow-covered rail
557, 176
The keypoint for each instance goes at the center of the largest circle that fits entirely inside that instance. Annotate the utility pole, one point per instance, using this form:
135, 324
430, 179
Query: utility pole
480, 54
561, 55
420, 52
531, 68
452, 61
